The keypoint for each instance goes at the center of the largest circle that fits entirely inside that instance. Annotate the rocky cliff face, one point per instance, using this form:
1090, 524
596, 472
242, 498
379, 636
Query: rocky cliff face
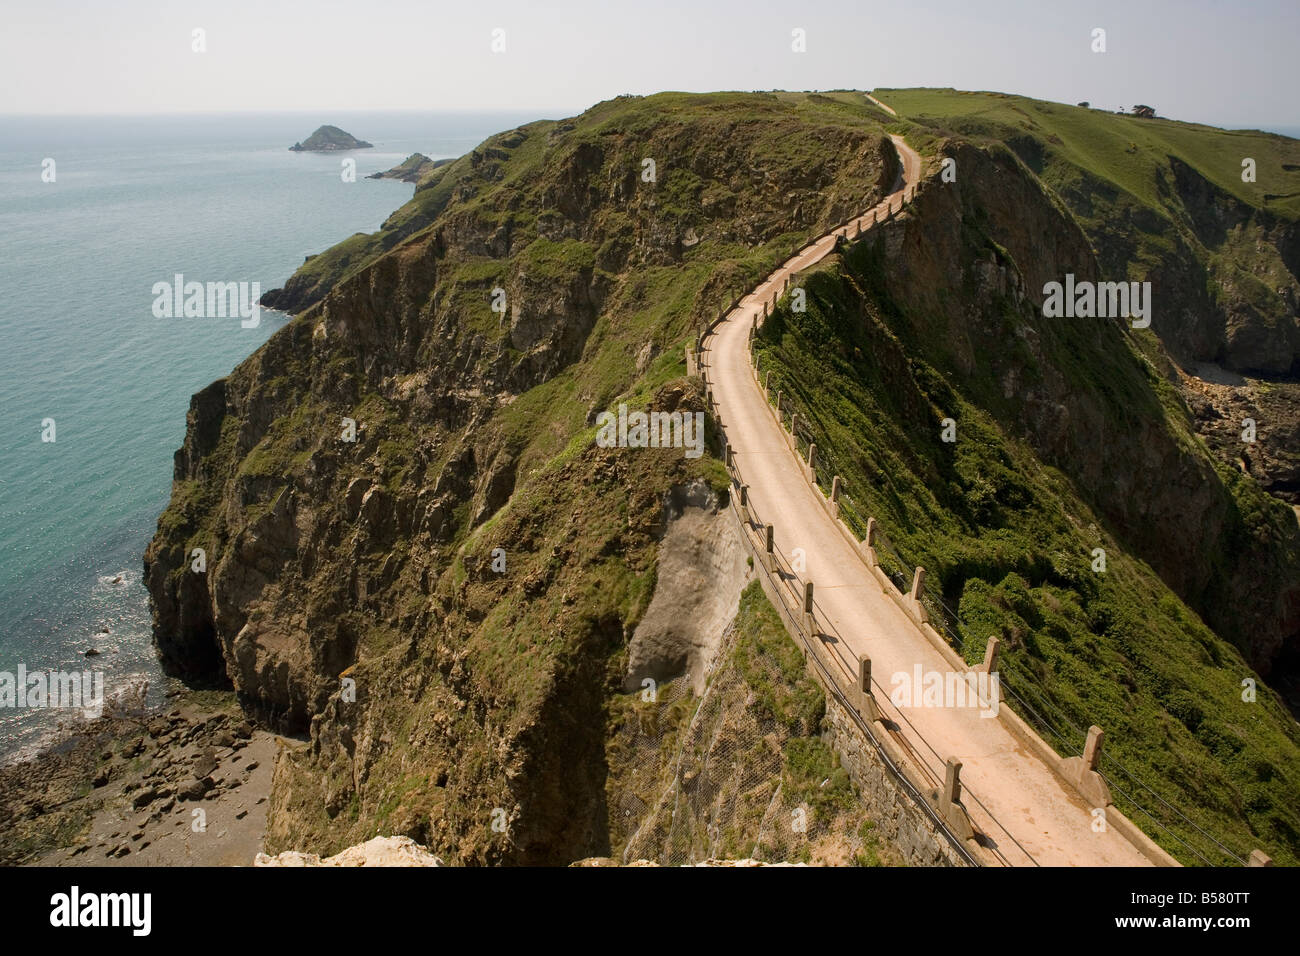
478, 723
1170, 203
1070, 436
1060, 384
1227, 276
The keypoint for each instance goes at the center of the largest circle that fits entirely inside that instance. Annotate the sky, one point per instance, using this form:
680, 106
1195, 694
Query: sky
1225, 62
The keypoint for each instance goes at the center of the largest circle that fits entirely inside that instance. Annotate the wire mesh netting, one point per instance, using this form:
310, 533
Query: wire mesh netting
710, 771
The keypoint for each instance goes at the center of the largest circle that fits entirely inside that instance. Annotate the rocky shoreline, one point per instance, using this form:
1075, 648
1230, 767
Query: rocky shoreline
187, 784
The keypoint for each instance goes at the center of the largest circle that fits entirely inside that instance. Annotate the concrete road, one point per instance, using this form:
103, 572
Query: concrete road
1027, 804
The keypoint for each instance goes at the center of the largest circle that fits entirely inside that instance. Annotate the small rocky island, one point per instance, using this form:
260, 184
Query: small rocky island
328, 139
411, 169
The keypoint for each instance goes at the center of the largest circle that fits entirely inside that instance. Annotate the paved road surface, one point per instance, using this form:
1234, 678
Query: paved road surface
1048, 820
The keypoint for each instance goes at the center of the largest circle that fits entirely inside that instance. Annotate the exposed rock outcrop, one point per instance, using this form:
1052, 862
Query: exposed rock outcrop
328, 139
381, 851
1168, 505
412, 169
478, 723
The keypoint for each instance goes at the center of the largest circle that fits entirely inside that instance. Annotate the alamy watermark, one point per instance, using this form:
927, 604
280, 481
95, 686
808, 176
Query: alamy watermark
949, 689
212, 300
652, 430
83, 690
129, 910
1102, 300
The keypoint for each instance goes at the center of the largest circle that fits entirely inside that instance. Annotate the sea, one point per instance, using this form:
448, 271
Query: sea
94, 387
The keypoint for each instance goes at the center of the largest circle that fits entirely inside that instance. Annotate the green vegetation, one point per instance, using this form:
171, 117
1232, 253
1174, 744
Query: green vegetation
486, 689
728, 774
1160, 200
1061, 143
328, 139
1007, 543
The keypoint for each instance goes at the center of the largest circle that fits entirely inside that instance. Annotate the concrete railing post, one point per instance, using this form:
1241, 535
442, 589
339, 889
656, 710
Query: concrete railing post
1092, 749
951, 783
794, 425
918, 592
835, 496
690, 360
778, 406
1260, 858
866, 701
769, 554
744, 503
812, 461
947, 800
869, 544
991, 655
1083, 773
729, 458
808, 624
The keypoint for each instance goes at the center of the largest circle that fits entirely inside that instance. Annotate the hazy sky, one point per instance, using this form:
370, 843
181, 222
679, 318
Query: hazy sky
1217, 61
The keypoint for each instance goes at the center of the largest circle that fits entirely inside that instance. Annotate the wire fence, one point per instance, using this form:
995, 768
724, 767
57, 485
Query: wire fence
1032, 701
789, 588
710, 783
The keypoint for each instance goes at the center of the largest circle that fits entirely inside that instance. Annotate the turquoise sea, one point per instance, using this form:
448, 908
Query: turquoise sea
134, 201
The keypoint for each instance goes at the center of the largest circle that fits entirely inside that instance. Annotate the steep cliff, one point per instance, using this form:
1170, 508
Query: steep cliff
1210, 217
482, 695
1068, 436
417, 559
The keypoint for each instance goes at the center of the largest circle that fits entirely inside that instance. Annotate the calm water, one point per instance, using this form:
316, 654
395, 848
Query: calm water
135, 200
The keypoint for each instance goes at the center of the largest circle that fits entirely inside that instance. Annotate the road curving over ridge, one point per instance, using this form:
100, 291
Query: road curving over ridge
1021, 806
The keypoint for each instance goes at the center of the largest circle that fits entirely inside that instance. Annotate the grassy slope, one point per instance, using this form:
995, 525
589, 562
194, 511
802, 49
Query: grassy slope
658, 304
1116, 174
1008, 543
1120, 149
512, 646
579, 524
